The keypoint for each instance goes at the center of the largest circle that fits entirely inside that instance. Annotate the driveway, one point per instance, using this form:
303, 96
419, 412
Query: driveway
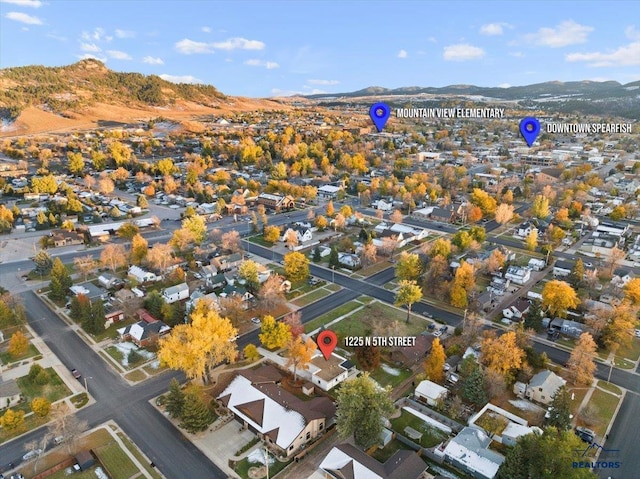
221, 445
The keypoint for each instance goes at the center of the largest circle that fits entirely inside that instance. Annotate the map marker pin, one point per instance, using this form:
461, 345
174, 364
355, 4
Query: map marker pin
379, 113
327, 342
530, 129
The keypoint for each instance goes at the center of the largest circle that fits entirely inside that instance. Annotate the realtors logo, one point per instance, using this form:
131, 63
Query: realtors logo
606, 459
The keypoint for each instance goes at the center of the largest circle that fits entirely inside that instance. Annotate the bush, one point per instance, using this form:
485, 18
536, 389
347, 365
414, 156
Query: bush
34, 370
134, 357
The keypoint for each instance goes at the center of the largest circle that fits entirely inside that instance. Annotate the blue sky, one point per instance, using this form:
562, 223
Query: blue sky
271, 48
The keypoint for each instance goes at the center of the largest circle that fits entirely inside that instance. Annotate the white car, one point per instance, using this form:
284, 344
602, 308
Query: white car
255, 320
437, 334
637, 333
32, 454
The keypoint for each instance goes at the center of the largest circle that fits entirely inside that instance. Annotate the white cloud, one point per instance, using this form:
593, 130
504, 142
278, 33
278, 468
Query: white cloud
279, 92
152, 61
627, 55
492, 29
87, 56
322, 82
189, 47
24, 3
432, 40
180, 78
23, 18
238, 44
632, 33
504, 85
97, 35
118, 55
562, 35
261, 63
516, 54
402, 54
125, 33
462, 52
90, 47
60, 38
206, 29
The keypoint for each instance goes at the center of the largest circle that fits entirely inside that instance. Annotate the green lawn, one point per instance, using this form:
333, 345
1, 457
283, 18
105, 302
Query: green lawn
375, 268
116, 461
311, 297
242, 468
385, 379
259, 239
606, 405
54, 390
430, 435
333, 287
630, 352
331, 315
609, 387
6, 358
112, 331
134, 450
389, 450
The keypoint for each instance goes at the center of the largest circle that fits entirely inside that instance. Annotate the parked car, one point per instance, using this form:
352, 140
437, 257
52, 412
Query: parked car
256, 320
32, 454
437, 334
426, 314
432, 326
76, 374
587, 435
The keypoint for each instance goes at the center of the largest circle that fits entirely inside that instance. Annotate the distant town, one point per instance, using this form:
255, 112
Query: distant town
163, 289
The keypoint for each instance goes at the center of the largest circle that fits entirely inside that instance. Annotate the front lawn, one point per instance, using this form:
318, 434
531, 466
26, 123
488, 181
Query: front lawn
331, 315
53, 390
430, 435
6, 358
389, 376
602, 405
117, 463
311, 297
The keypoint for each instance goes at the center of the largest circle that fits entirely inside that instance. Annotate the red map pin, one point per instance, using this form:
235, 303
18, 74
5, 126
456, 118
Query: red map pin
327, 342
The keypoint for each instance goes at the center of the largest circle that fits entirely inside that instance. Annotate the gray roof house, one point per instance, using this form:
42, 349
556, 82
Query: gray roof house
543, 386
469, 451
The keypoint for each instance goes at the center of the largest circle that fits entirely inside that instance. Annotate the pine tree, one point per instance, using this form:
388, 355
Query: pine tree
533, 318
316, 255
560, 410
196, 416
333, 258
96, 317
60, 280
473, 388
175, 399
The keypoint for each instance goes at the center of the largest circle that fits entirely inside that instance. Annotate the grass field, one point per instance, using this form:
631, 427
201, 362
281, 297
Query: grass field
605, 405
6, 358
609, 387
117, 463
55, 389
331, 315
430, 435
385, 379
389, 450
375, 317
311, 297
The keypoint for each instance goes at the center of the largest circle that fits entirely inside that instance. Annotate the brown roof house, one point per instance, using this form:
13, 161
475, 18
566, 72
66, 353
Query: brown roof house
346, 461
286, 422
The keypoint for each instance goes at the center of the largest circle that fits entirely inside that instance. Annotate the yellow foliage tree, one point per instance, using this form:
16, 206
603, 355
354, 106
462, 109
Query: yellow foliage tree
18, 344
194, 348
139, 249
558, 296
41, 406
502, 354
299, 354
12, 420
531, 241
296, 266
581, 365
271, 234
632, 291
274, 334
434, 364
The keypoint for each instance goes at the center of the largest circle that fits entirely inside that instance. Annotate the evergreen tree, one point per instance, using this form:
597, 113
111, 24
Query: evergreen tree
560, 410
533, 318
43, 262
174, 401
196, 416
473, 387
333, 258
577, 274
316, 254
95, 321
60, 281
153, 303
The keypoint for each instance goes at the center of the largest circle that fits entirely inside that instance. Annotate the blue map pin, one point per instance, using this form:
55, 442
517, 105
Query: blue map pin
530, 129
379, 113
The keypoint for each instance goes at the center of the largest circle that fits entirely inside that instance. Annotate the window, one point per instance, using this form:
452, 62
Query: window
308, 435
321, 426
540, 389
291, 447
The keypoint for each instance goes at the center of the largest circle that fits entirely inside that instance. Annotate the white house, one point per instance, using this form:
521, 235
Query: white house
326, 373
328, 192
176, 293
349, 260
525, 229
537, 264
141, 275
431, 392
303, 234
469, 451
518, 275
382, 205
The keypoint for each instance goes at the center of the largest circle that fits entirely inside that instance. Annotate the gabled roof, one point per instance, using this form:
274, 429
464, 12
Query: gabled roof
548, 378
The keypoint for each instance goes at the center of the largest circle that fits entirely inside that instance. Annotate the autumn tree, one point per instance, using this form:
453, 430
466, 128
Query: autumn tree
85, 265
540, 207
291, 238
408, 266
251, 352
205, 341
299, 354
248, 271
271, 234
231, 241
232, 307
577, 273
408, 293
270, 295
618, 332
504, 213
12, 420
434, 364
615, 256
139, 249
294, 321
41, 406
484, 201
18, 344
368, 254
362, 408
531, 240
274, 334
182, 240
128, 230
197, 226
321, 223
368, 357
558, 297
160, 257
502, 354
581, 365
440, 247
632, 291
396, 216
495, 261
330, 210
296, 266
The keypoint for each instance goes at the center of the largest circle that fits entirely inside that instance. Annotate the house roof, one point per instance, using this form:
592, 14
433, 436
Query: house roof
272, 410
348, 462
548, 379
9, 388
469, 447
430, 389
141, 330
